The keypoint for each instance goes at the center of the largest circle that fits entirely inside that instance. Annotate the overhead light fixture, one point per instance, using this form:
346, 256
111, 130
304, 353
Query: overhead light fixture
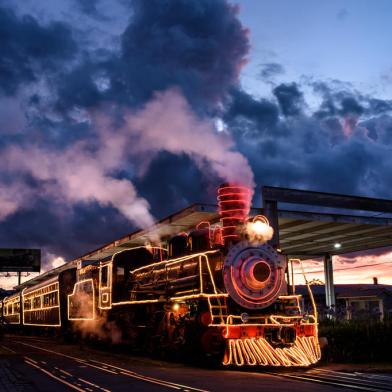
337, 245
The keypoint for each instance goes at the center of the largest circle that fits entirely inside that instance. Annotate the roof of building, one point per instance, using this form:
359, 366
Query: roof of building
302, 234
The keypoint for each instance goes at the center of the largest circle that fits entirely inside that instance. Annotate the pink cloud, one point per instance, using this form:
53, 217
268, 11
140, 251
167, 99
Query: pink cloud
361, 269
168, 123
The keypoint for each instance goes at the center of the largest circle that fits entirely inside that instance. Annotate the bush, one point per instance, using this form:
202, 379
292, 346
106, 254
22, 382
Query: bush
357, 342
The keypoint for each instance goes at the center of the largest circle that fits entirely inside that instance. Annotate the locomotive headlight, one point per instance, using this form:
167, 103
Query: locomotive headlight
259, 229
176, 307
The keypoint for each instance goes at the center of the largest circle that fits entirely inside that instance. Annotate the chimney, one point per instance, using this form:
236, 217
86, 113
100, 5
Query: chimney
375, 280
234, 205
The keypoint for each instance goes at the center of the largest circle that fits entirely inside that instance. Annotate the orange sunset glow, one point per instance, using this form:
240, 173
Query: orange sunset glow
361, 269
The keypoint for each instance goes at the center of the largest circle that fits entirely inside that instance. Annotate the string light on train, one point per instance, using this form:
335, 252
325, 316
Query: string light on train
89, 305
34, 305
257, 351
12, 309
222, 276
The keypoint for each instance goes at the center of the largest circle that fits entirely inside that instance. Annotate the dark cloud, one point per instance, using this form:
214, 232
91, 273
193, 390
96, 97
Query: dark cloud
190, 185
350, 105
312, 149
198, 46
247, 113
28, 49
290, 99
271, 70
195, 45
88, 7
69, 232
379, 106
78, 88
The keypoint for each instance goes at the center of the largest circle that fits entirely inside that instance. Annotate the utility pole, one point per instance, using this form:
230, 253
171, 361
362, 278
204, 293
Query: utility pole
329, 286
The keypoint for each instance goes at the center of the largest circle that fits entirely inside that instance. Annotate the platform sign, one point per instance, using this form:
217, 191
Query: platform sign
20, 260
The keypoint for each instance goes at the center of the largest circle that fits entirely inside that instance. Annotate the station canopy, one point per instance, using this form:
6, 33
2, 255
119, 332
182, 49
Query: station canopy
303, 232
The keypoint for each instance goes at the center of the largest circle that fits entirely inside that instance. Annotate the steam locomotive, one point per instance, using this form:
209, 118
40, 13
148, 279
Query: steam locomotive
218, 290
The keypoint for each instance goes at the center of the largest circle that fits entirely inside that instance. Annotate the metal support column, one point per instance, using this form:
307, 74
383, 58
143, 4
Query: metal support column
292, 276
329, 287
270, 208
19, 278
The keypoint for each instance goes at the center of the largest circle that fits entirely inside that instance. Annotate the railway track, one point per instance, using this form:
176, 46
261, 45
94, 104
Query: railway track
81, 384
354, 381
84, 374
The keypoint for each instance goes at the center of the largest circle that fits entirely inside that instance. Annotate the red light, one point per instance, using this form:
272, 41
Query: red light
234, 205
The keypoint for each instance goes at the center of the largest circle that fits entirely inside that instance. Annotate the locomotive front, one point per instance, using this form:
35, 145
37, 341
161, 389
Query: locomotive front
260, 323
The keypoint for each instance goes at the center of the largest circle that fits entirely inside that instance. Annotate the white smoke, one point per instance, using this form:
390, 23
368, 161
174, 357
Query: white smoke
259, 231
77, 175
168, 123
84, 173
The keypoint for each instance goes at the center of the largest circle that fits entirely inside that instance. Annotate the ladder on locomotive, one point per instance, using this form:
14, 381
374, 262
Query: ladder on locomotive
218, 307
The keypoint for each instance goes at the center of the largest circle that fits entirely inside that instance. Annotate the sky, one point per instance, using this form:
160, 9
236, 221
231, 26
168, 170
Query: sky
343, 40
116, 113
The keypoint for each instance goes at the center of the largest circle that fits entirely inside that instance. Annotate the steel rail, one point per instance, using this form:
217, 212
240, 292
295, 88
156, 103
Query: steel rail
341, 380
106, 367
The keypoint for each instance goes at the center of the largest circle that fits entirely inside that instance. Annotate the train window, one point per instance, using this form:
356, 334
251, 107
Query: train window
120, 275
53, 299
37, 303
27, 304
105, 276
87, 286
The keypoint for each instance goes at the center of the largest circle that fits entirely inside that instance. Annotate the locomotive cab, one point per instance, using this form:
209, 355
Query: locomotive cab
123, 266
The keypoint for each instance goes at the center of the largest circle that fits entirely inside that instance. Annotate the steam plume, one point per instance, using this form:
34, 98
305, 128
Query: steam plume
83, 172
77, 175
167, 123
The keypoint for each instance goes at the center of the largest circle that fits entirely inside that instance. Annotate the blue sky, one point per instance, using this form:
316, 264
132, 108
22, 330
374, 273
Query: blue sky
344, 40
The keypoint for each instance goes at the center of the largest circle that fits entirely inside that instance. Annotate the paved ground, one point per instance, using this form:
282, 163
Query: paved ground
43, 364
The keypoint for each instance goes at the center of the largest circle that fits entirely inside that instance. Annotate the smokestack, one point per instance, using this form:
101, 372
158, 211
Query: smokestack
234, 205
375, 280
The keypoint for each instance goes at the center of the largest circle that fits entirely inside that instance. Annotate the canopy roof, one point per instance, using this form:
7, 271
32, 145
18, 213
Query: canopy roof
302, 234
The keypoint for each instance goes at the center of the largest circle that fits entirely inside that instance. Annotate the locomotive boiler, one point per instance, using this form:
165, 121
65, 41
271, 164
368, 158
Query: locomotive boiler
218, 290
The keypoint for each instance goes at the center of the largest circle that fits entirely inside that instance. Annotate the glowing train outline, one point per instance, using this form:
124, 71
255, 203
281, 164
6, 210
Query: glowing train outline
192, 289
